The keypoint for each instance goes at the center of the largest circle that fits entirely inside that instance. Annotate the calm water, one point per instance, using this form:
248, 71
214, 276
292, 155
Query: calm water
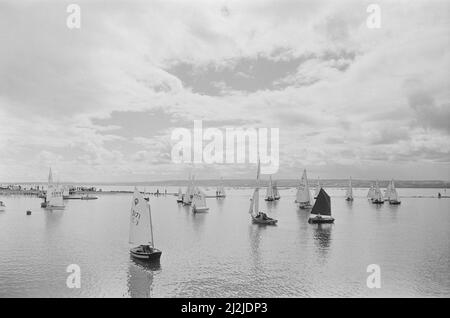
221, 254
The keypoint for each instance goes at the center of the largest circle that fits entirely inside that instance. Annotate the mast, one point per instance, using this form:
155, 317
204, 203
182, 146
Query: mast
150, 224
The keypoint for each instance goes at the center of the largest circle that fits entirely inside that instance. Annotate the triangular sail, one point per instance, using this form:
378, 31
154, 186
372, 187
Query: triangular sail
377, 193
322, 206
141, 231
349, 193
269, 191
318, 187
303, 193
393, 192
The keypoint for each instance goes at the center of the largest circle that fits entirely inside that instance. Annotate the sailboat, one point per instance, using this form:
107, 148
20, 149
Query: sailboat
257, 216
393, 195
54, 195
377, 195
321, 211
349, 193
371, 192
276, 194
303, 196
220, 192
269, 192
187, 198
318, 187
141, 230
180, 196
199, 202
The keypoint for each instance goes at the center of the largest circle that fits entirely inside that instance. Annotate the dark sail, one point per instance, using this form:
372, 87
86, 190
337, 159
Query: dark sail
322, 205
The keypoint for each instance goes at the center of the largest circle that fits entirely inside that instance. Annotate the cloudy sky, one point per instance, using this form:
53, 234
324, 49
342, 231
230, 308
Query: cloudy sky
99, 103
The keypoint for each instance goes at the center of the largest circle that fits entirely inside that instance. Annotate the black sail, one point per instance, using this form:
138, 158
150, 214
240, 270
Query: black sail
322, 205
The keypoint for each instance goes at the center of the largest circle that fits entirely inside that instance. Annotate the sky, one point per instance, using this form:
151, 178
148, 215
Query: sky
99, 103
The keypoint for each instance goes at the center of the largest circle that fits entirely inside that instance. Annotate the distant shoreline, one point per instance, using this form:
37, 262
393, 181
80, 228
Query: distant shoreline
282, 183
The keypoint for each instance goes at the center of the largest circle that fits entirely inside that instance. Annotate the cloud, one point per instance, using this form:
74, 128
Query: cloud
99, 103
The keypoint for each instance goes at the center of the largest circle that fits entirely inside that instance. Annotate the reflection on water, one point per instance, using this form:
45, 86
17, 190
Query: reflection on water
140, 277
322, 236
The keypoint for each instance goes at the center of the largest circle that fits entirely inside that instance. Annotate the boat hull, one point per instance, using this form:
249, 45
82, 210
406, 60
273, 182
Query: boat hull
139, 253
200, 210
269, 199
320, 220
394, 202
268, 221
349, 199
304, 206
377, 201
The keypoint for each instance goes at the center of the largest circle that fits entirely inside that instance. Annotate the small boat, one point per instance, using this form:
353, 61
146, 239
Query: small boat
257, 216
349, 193
393, 195
321, 211
220, 192
141, 230
199, 203
303, 196
377, 195
270, 196
28, 212
276, 194
180, 196
188, 196
88, 197
318, 187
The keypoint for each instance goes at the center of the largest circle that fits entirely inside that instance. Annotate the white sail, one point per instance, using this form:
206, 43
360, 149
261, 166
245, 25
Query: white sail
180, 194
199, 200
377, 193
141, 232
393, 192
303, 193
269, 191
349, 193
371, 193
276, 194
318, 187
254, 202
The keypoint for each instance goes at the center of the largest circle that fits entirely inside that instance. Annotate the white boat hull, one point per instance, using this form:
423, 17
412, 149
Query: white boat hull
200, 209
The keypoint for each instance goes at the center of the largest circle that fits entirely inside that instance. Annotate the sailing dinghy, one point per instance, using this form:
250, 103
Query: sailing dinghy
377, 195
276, 194
393, 195
349, 193
141, 230
303, 196
199, 202
257, 216
270, 196
321, 211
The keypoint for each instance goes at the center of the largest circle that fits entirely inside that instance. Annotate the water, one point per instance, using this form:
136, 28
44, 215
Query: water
221, 254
